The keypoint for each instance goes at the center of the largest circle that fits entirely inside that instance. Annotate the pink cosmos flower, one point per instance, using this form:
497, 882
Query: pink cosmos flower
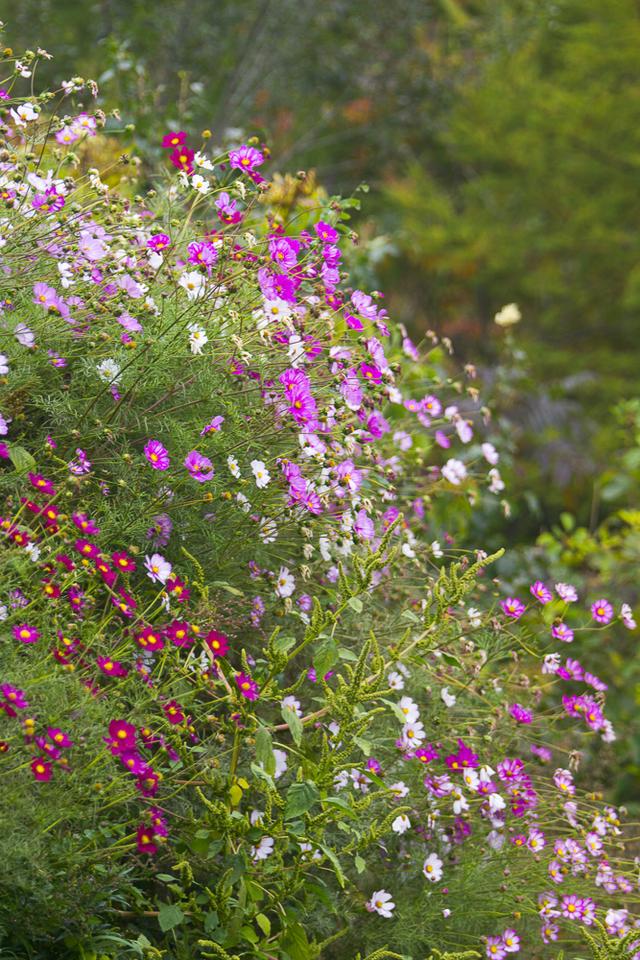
245, 158
541, 592
560, 631
200, 468
602, 611
158, 242
513, 607
495, 948
157, 455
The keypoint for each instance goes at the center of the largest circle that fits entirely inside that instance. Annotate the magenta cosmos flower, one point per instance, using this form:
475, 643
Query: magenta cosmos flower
157, 455
200, 468
602, 611
174, 139
25, 633
540, 592
513, 607
519, 714
247, 687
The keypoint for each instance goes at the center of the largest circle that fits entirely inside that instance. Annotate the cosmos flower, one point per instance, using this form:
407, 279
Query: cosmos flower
157, 455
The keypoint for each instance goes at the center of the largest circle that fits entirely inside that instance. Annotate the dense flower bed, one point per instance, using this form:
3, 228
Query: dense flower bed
255, 700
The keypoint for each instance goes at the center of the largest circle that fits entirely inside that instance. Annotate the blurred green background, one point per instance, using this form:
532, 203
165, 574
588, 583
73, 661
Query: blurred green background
501, 144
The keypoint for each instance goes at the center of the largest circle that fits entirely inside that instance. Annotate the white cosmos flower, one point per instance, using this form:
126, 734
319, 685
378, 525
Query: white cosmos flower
109, 371
401, 824
4, 365
399, 789
256, 818
409, 709
24, 335
395, 681
262, 849
234, 469
243, 501
381, 903
281, 763
273, 311
436, 550
509, 315
194, 284
413, 733
454, 471
197, 338
267, 530
261, 474
158, 569
490, 453
199, 183
286, 583
432, 868
202, 161
447, 698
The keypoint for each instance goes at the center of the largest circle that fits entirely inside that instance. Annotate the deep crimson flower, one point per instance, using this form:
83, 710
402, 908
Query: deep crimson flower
122, 736
123, 561
150, 639
179, 632
59, 737
41, 769
112, 668
218, 643
247, 687
173, 139
182, 158
173, 712
144, 840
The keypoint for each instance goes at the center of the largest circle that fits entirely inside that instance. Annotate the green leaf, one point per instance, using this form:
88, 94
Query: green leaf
169, 916
295, 941
21, 459
355, 603
325, 657
227, 586
360, 864
328, 852
300, 798
264, 750
264, 923
451, 660
294, 723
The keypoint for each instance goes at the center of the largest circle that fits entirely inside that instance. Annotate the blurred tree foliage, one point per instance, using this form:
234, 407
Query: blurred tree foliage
501, 139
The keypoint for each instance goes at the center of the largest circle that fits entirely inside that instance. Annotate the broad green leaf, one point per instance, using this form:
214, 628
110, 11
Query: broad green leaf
169, 916
300, 798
